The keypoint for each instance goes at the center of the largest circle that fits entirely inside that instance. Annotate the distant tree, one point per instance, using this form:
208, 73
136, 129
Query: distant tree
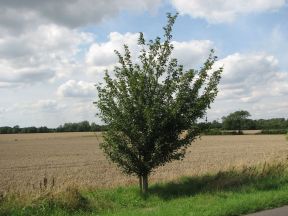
235, 120
60, 128
79, 127
249, 124
83, 126
32, 130
16, 129
212, 125
274, 123
151, 108
43, 130
70, 127
6, 130
216, 124
96, 127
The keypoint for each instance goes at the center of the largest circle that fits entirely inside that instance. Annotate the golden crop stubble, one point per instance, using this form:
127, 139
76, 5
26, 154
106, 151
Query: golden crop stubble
75, 158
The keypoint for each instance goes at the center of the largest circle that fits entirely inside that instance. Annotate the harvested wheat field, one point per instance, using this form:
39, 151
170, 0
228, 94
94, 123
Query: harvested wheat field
75, 158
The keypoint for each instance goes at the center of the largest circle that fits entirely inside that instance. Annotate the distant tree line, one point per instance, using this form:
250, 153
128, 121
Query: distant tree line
239, 120
236, 121
251, 124
84, 126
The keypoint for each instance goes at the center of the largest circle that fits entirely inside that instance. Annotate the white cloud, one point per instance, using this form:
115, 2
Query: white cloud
46, 105
2, 111
248, 68
253, 82
246, 76
192, 53
40, 55
39, 107
42, 40
279, 83
6, 85
18, 16
25, 75
80, 89
220, 11
47, 112
101, 56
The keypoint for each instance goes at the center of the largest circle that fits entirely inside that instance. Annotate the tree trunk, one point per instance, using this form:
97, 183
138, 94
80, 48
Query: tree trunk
141, 183
145, 183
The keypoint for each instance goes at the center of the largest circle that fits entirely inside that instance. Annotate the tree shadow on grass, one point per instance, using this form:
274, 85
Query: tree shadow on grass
265, 177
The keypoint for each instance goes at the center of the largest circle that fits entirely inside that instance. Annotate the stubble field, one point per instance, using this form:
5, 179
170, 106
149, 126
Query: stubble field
75, 159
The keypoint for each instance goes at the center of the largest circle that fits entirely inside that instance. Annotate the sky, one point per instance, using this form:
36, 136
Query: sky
52, 53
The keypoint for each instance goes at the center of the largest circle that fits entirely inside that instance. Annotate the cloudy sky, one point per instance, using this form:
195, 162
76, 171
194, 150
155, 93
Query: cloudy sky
53, 52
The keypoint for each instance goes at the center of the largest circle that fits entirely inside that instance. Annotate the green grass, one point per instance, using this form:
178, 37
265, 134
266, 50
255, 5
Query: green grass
234, 192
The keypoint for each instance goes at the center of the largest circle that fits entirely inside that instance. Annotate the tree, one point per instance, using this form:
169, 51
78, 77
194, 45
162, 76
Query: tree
16, 129
236, 120
83, 126
96, 127
151, 107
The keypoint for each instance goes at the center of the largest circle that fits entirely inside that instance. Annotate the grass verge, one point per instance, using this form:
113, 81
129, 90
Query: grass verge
233, 192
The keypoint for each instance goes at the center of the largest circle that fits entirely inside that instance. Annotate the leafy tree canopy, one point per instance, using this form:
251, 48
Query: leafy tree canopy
149, 105
236, 120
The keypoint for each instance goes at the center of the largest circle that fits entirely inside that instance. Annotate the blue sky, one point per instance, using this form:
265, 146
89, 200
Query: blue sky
53, 52
248, 33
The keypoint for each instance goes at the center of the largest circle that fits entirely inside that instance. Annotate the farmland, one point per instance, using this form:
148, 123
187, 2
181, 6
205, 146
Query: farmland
75, 159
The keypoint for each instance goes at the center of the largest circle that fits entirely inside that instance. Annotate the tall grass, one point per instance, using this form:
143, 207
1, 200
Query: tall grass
232, 192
